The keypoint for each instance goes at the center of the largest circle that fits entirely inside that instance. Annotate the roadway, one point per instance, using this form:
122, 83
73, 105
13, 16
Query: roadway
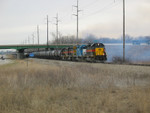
33, 46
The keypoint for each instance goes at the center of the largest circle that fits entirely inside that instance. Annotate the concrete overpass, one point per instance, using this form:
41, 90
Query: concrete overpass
20, 48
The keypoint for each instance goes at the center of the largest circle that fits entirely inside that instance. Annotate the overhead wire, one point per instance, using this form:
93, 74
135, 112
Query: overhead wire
110, 5
106, 7
90, 4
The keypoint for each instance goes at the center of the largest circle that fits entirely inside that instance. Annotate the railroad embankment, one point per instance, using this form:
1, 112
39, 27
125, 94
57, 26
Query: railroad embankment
51, 86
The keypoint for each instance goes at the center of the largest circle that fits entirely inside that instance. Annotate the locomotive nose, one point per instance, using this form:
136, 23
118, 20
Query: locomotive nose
99, 51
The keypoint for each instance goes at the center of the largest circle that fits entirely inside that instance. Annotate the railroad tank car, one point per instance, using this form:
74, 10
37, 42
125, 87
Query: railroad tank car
57, 54
64, 54
71, 53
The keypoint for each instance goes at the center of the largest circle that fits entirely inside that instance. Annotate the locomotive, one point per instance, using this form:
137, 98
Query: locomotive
91, 52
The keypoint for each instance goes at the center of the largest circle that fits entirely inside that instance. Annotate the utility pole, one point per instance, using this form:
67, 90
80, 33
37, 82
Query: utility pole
56, 28
77, 15
47, 31
33, 38
38, 34
124, 30
25, 41
28, 40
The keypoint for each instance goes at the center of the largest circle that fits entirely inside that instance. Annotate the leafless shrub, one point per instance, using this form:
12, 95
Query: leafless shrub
117, 59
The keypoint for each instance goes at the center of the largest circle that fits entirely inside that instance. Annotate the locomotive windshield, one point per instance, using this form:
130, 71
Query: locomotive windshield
97, 45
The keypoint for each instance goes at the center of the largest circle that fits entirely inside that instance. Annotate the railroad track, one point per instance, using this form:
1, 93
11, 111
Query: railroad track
111, 63
134, 64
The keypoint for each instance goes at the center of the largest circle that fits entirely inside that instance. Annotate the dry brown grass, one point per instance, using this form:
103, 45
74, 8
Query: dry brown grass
64, 87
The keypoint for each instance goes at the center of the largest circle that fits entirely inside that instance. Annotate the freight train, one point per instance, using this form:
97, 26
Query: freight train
90, 52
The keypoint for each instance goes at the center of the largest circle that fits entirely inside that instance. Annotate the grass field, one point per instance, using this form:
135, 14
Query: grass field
46, 86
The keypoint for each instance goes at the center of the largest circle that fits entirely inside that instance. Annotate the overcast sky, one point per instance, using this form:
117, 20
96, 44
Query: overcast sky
103, 18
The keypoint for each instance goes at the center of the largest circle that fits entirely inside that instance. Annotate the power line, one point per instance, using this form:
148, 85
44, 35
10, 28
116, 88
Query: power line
28, 40
77, 15
90, 4
38, 34
57, 27
110, 5
47, 30
33, 38
124, 30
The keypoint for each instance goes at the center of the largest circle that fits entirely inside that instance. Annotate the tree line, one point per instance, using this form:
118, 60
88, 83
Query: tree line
94, 39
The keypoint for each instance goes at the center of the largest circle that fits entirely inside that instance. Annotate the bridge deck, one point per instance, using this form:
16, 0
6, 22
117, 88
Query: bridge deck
18, 47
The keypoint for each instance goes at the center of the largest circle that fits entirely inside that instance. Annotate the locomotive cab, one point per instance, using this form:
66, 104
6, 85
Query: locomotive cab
97, 51
100, 53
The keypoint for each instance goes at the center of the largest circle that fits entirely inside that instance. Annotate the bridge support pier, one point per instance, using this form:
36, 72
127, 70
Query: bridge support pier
20, 54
